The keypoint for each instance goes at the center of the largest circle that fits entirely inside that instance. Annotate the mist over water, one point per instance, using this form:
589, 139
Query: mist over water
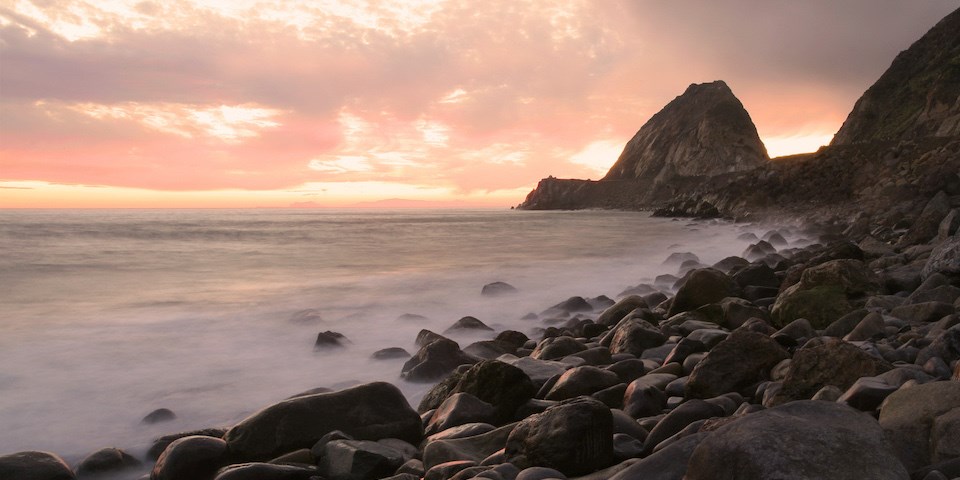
108, 315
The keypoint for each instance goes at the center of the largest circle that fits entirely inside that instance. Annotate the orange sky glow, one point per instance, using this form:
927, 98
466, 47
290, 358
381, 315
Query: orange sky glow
321, 103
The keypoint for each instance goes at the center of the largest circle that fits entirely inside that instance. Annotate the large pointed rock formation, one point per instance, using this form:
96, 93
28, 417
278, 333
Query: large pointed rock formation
704, 132
918, 96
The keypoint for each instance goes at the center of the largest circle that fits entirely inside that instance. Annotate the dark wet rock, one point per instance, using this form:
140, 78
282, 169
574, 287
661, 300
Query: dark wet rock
462, 431
435, 360
731, 263
366, 412
574, 437
539, 371
504, 386
945, 346
540, 473
467, 323
159, 415
902, 278
703, 286
872, 325
669, 463
34, 466
776, 443
266, 471
677, 258
758, 275
678, 419
450, 470
923, 312
359, 460
683, 349
497, 289
611, 396
612, 315
633, 336
305, 393
191, 458
570, 305
390, 353
488, 349
439, 392
304, 456
741, 360
775, 239
106, 461
557, 347
909, 417
161, 443
625, 446
867, 393
512, 337
834, 363
825, 293
943, 294
643, 400
458, 409
944, 259
581, 381
927, 225
327, 340
628, 370
595, 356
798, 329
475, 448
845, 324
426, 337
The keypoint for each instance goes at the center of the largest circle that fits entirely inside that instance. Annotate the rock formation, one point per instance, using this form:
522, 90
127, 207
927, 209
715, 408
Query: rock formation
918, 96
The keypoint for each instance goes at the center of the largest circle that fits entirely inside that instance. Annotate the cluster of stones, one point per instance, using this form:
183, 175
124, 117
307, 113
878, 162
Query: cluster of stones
835, 360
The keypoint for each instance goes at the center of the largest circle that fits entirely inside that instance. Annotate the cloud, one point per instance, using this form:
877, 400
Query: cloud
462, 97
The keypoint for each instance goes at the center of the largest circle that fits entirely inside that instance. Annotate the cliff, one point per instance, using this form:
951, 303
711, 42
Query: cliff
918, 96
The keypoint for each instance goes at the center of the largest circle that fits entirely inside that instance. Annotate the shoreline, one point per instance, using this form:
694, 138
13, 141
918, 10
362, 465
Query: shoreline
635, 356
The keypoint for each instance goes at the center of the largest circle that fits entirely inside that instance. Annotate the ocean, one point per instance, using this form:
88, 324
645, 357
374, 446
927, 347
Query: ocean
106, 315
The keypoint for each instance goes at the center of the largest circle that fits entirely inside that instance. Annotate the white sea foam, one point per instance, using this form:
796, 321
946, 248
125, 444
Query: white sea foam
107, 315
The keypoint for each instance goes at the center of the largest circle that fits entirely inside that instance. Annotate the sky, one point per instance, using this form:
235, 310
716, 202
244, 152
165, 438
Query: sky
263, 103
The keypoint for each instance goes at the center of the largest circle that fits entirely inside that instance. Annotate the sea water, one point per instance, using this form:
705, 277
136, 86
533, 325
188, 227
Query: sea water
106, 315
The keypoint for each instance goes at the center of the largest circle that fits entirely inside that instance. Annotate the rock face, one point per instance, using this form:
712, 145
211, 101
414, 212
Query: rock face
574, 437
917, 96
367, 412
775, 443
704, 132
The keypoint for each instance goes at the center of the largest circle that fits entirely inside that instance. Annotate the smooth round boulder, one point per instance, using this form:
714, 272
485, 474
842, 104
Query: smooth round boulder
703, 286
160, 444
499, 384
458, 409
106, 461
834, 363
497, 289
191, 458
557, 347
583, 380
159, 415
467, 323
34, 466
742, 359
776, 443
366, 412
574, 437
434, 360
634, 336
359, 460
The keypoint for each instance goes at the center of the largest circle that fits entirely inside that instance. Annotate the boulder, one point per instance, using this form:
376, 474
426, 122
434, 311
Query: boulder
474, 448
579, 381
161, 443
390, 353
668, 463
703, 286
434, 360
678, 419
266, 471
467, 323
557, 347
574, 437
825, 293
501, 385
776, 443
945, 259
909, 418
925, 312
359, 460
106, 461
329, 340
633, 336
191, 458
834, 363
497, 289
34, 466
366, 412
612, 315
158, 415
743, 359
426, 337
539, 371
458, 409
927, 225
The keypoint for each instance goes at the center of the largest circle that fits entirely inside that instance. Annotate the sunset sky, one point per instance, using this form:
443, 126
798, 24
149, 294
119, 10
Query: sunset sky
237, 103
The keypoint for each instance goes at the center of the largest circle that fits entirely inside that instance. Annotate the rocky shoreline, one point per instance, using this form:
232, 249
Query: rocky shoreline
834, 360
